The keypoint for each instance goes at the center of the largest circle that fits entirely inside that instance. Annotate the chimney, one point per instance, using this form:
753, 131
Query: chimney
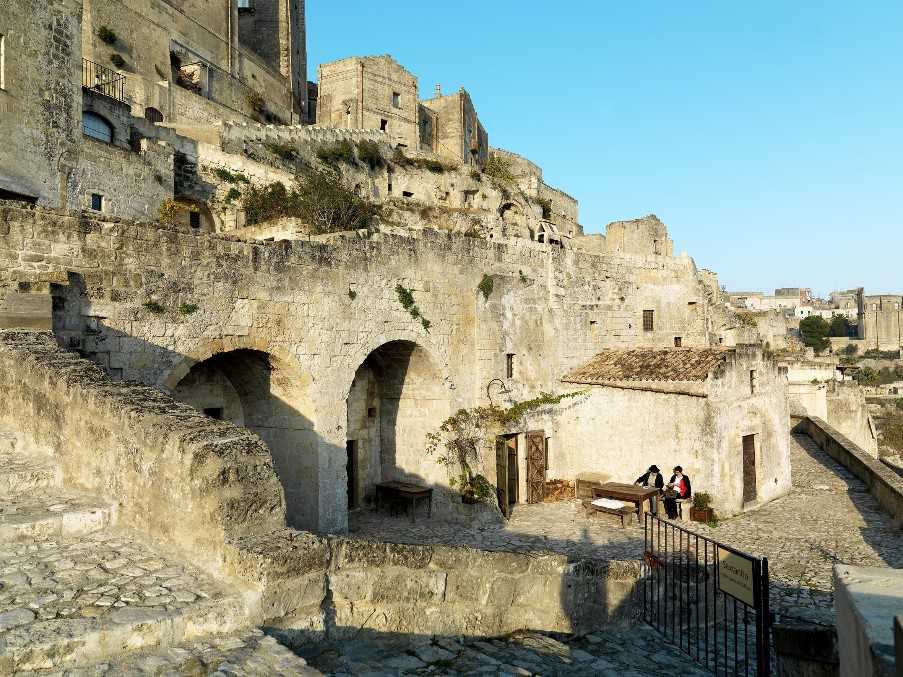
438, 90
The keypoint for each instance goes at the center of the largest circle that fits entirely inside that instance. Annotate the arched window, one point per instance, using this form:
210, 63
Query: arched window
97, 127
152, 115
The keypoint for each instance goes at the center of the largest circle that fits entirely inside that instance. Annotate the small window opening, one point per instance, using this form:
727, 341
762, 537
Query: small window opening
2, 61
407, 193
383, 124
753, 381
97, 202
371, 412
214, 412
648, 320
396, 99
194, 218
678, 341
509, 365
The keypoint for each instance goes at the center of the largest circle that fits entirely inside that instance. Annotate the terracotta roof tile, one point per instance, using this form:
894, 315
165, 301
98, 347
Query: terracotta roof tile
648, 364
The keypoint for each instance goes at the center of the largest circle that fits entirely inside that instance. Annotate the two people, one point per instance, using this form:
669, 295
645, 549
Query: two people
678, 487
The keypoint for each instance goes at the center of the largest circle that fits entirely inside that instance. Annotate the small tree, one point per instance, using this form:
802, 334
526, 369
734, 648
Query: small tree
814, 332
840, 326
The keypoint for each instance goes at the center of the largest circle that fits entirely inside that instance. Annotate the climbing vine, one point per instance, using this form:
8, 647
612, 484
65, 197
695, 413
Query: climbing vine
460, 439
406, 299
486, 285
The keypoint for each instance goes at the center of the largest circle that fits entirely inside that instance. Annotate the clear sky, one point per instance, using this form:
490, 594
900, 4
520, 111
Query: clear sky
768, 136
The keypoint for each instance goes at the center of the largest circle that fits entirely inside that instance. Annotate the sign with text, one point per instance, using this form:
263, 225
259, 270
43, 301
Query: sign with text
735, 576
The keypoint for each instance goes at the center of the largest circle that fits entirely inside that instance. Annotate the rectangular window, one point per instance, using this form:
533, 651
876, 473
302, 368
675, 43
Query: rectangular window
97, 202
648, 320
383, 124
509, 365
407, 193
396, 100
753, 381
214, 412
2, 61
678, 341
194, 218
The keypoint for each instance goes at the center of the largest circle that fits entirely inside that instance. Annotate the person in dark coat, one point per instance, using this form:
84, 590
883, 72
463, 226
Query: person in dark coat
652, 478
677, 487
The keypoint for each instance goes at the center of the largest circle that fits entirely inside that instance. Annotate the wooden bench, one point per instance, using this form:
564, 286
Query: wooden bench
587, 481
590, 510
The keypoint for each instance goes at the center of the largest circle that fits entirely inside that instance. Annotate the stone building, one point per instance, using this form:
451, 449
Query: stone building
880, 321
717, 412
450, 127
647, 236
373, 92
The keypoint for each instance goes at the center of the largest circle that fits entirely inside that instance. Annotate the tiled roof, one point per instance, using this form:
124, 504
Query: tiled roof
648, 364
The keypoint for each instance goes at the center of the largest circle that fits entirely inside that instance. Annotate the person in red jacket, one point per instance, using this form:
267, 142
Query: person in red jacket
678, 487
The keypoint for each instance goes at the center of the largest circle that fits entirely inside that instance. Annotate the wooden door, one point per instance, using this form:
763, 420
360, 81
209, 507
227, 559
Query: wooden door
749, 468
501, 474
536, 466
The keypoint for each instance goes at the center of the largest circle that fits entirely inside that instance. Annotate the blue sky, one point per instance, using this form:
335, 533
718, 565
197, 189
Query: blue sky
768, 136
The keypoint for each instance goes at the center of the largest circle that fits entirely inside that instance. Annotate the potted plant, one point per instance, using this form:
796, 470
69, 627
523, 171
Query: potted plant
701, 510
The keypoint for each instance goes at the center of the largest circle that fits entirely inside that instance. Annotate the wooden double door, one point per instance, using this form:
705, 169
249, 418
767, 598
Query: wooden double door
508, 469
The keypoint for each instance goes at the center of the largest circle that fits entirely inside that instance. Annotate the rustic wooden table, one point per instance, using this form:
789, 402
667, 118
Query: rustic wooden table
627, 492
407, 492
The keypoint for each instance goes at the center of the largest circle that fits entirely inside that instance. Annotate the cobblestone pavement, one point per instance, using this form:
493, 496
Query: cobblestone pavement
248, 653
829, 517
89, 578
630, 652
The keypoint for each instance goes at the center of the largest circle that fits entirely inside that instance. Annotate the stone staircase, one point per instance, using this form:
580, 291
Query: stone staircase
79, 596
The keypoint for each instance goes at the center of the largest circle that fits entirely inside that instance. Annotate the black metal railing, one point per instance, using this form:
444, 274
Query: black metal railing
103, 80
708, 599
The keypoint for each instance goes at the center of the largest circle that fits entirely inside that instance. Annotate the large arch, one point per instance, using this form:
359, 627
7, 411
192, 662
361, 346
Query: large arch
267, 395
398, 395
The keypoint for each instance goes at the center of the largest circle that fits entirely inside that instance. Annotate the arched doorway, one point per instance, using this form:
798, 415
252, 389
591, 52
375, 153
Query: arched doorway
256, 390
396, 398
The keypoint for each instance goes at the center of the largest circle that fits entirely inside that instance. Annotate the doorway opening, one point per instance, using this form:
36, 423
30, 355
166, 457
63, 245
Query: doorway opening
749, 469
507, 476
351, 469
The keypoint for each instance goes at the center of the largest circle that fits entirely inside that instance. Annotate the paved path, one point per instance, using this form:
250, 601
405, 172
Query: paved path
633, 652
829, 517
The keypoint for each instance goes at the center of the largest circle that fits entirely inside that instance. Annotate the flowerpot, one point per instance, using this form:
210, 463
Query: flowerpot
703, 515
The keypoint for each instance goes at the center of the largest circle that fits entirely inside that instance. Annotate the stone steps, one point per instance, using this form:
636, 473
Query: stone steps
20, 472
43, 513
76, 603
243, 653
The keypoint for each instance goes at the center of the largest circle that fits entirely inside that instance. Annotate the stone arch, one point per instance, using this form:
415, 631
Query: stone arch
268, 395
512, 214
398, 394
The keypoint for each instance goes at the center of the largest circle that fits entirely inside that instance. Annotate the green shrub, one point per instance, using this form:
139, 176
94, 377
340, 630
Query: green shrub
475, 175
153, 307
406, 299
341, 151
224, 174
370, 154
399, 158
849, 349
117, 60
232, 195
188, 308
814, 332
702, 500
285, 151
499, 168
485, 287
839, 326
352, 294
105, 34
873, 354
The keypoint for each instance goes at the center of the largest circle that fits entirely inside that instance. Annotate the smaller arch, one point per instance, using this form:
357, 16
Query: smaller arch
153, 115
97, 127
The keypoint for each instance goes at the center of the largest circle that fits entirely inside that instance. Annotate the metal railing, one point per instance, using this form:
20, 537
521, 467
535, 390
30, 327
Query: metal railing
103, 80
707, 598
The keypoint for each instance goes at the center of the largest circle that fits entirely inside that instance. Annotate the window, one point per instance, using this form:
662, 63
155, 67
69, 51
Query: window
678, 341
96, 127
753, 381
194, 219
214, 412
153, 115
407, 193
2, 61
509, 365
383, 124
396, 100
97, 202
648, 320
245, 5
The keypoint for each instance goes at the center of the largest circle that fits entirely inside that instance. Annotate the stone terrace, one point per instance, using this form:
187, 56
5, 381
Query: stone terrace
828, 517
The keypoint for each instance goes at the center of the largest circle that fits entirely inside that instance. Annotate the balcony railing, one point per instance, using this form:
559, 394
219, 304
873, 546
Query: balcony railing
103, 80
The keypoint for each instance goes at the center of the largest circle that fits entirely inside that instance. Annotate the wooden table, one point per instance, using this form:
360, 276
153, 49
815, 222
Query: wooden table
627, 492
407, 492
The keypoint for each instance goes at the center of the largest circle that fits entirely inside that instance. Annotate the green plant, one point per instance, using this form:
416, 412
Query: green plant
117, 60
342, 151
814, 332
399, 158
224, 174
839, 326
475, 175
712, 523
153, 307
370, 154
425, 323
485, 286
352, 294
874, 354
702, 500
105, 34
285, 151
169, 211
232, 195
523, 278
849, 349
499, 168
188, 308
